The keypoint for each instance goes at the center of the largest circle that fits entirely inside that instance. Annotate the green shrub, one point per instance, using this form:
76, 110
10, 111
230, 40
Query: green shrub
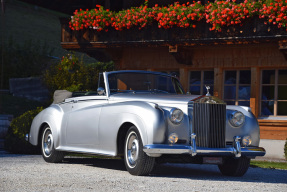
15, 140
285, 149
73, 75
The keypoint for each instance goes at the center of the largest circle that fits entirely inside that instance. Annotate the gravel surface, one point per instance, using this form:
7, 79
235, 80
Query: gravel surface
32, 173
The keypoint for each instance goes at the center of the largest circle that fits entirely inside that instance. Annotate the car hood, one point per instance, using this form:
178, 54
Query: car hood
154, 98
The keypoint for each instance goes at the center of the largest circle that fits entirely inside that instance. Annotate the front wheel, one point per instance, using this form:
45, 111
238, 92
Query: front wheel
235, 167
136, 161
47, 147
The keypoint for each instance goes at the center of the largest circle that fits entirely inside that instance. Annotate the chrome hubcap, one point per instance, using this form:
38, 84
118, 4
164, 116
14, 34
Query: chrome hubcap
132, 149
47, 143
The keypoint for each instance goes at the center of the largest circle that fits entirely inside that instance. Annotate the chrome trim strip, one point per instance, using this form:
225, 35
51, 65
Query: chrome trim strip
184, 149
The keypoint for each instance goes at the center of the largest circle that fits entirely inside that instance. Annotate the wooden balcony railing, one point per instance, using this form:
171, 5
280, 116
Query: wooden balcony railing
252, 31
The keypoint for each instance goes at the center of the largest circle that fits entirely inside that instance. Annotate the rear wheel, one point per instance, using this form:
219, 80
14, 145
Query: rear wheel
234, 167
136, 161
47, 147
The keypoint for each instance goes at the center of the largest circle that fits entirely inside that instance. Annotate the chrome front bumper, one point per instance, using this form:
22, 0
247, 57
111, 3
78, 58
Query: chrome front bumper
236, 150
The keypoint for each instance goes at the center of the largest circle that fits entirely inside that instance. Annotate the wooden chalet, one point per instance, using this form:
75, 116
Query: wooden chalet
244, 65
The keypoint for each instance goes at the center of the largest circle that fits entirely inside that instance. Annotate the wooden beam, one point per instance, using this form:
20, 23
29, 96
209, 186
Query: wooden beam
218, 83
255, 91
184, 78
283, 47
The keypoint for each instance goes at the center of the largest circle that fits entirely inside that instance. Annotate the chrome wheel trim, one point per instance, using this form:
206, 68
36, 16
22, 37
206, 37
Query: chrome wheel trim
132, 149
47, 143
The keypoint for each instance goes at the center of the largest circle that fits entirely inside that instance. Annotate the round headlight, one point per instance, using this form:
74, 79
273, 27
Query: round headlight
176, 115
237, 119
246, 141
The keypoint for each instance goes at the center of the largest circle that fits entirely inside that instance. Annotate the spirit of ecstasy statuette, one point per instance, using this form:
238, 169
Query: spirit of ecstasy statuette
207, 90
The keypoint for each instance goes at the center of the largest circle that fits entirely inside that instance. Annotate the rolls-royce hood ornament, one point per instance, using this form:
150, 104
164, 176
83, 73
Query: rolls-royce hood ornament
208, 98
207, 90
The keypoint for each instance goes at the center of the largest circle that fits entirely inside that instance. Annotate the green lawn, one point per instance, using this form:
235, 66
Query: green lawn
269, 165
24, 22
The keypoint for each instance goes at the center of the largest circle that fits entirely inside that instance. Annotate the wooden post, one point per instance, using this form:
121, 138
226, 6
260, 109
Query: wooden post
183, 73
255, 91
218, 83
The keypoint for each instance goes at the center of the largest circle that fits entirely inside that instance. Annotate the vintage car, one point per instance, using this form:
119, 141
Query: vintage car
146, 118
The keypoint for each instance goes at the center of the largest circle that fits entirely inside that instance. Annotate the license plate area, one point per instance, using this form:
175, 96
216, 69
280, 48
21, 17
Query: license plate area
212, 160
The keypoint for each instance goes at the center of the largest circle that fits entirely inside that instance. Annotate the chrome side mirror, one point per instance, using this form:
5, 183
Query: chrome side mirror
101, 91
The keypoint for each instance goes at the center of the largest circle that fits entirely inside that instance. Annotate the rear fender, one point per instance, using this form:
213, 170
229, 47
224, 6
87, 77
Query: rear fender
52, 116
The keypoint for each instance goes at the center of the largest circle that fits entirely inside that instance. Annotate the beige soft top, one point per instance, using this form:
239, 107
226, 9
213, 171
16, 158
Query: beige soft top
61, 95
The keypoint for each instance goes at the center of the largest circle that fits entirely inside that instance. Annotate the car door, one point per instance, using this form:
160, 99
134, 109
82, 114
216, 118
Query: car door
83, 121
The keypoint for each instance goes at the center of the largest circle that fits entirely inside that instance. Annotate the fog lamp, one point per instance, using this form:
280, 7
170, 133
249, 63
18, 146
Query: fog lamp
173, 138
246, 141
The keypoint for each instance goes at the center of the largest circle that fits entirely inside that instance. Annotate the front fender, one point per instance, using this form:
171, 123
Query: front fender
250, 126
148, 119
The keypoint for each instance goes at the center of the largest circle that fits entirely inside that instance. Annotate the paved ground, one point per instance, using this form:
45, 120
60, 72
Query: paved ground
31, 173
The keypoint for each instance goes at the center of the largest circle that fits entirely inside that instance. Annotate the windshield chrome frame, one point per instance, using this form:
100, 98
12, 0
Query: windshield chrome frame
106, 74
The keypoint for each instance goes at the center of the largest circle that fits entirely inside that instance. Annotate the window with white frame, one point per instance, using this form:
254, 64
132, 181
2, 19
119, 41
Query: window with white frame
273, 92
237, 87
198, 80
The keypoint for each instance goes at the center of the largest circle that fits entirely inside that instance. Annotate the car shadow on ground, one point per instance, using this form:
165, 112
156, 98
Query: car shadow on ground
212, 173
189, 171
115, 164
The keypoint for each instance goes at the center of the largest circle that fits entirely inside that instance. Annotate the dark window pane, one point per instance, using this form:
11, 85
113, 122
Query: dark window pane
230, 77
195, 77
230, 102
267, 108
210, 90
195, 90
282, 79
267, 92
282, 108
229, 92
245, 77
208, 78
282, 92
244, 103
244, 92
268, 76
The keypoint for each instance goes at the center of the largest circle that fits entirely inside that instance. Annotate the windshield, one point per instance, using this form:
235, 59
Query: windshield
143, 82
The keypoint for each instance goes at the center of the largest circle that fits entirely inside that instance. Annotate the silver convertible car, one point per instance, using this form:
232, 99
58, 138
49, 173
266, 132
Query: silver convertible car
146, 118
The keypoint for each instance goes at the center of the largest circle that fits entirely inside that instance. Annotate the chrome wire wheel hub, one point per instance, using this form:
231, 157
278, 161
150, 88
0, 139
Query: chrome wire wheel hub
132, 150
47, 143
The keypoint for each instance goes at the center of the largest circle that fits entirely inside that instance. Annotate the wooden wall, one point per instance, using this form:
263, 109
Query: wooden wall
213, 56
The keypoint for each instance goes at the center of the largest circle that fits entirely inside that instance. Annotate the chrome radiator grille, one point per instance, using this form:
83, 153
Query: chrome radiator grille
209, 124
